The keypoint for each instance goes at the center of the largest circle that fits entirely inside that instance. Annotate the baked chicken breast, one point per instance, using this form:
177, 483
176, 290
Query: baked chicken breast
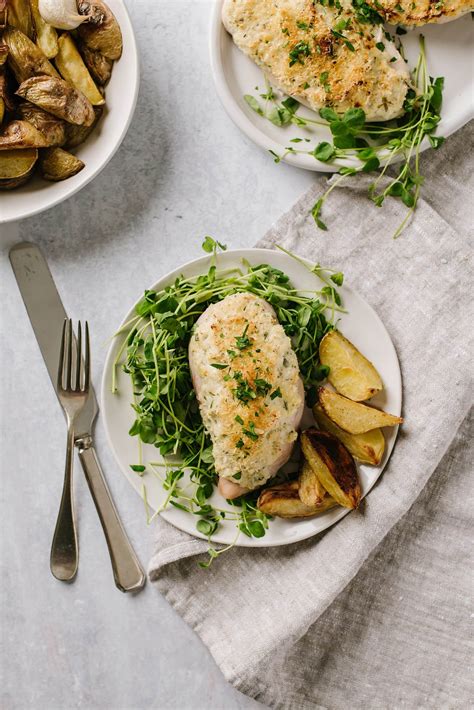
249, 390
323, 55
421, 12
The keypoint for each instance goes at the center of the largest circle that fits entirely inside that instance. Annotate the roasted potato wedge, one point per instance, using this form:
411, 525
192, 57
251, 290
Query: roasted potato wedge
354, 417
17, 163
100, 68
19, 16
350, 373
46, 35
12, 183
102, 32
20, 135
73, 70
311, 491
366, 448
59, 98
75, 135
52, 128
333, 465
25, 58
5, 91
283, 501
57, 164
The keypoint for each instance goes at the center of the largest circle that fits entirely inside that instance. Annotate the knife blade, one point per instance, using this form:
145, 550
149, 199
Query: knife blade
47, 315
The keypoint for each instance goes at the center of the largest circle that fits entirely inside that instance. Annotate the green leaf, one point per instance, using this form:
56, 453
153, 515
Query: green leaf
138, 468
354, 118
436, 141
291, 104
206, 527
253, 103
337, 278
256, 528
316, 212
345, 141
328, 114
324, 151
371, 164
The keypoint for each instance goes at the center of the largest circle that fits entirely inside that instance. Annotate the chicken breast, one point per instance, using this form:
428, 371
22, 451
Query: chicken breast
320, 54
421, 12
249, 390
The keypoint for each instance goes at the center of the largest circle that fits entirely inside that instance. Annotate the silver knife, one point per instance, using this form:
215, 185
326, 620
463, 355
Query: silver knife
47, 315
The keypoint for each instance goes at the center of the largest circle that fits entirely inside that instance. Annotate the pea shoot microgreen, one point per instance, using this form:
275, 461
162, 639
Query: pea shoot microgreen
154, 353
368, 145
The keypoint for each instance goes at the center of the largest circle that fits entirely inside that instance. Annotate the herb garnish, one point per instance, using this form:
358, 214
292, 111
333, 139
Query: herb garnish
243, 341
298, 52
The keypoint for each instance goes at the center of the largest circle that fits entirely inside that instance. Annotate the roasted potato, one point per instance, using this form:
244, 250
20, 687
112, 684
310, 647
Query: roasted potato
19, 16
73, 70
354, 417
59, 98
75, 135
52, 128
12, 183
17, 163
21, 134
5, 91
283, 501
100, 68
333, 465
25, 58
3, 53
102, 32
366, 448
350, 373
46, 35
311, 491
57, 164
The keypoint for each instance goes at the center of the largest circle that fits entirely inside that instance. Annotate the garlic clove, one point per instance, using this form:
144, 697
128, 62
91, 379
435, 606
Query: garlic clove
61, 14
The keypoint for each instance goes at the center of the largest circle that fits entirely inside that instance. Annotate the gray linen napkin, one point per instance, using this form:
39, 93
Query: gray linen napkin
271, 617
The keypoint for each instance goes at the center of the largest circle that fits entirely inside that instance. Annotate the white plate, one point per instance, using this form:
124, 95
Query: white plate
449, 54
361, 325
121, 97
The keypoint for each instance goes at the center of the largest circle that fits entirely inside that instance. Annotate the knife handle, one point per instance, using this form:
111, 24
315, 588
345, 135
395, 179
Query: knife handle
128, 573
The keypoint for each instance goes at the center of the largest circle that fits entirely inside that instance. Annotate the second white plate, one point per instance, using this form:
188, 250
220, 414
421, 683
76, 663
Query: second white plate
360, 324
449, 54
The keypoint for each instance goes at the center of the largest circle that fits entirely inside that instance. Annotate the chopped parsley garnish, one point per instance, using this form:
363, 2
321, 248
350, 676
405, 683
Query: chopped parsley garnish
219, 365
380, 45
240, 444
276, 393
243, 341
250, 432
262, 387
237, 476
243, 392
239, 419
298, 52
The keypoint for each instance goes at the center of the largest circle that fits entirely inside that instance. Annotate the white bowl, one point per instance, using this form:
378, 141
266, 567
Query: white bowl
121, 98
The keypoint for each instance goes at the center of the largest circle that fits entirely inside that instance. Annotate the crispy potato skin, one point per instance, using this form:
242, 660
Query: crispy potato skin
75, 135
15, 164
20, 135
366, 448
12, 183
99, 66
333, 465
25, 58
102, 33
19, 16
52, 128
57, 164
283, 501
351, 374
59, 98
354, 417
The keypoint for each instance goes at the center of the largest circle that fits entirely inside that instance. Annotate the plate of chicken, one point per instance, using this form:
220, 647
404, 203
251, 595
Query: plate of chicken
251, 398
278, 63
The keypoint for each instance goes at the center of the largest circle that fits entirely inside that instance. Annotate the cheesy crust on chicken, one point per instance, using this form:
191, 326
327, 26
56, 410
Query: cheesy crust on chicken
250, 393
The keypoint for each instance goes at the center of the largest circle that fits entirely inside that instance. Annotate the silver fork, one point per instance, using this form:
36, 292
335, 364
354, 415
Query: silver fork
73, 390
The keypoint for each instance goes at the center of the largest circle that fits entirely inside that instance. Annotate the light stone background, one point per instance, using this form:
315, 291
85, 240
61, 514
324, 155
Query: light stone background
183, 171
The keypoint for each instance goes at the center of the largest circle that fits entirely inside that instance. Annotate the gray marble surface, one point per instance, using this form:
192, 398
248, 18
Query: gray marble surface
183, 171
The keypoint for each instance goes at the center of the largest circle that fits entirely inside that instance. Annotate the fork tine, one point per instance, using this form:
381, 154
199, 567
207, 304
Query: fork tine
87, 361
61, 356
78, 357
69, 357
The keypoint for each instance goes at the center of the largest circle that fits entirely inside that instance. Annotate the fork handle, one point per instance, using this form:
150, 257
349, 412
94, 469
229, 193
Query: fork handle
128, 573
64, 550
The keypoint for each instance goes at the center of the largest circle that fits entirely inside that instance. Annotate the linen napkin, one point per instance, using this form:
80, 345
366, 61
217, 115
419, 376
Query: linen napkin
259, 610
